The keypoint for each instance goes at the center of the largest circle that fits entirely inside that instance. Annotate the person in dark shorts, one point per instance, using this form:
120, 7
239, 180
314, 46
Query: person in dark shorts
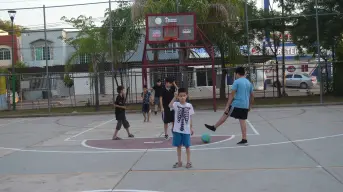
120, 114
167, 95
239, 104
146, 95
157, 90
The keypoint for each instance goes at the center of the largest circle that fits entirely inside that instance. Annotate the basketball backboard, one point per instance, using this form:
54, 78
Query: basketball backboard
170, 27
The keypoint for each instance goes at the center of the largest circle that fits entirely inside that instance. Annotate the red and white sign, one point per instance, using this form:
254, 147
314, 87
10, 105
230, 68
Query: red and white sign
156, 33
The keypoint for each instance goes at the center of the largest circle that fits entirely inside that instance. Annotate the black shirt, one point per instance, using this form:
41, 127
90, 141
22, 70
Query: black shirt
167, 96
120, 113
158, 90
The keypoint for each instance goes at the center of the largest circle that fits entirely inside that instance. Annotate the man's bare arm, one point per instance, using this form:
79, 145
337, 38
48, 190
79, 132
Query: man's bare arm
172, 101
161, 104
119, 106
252, 100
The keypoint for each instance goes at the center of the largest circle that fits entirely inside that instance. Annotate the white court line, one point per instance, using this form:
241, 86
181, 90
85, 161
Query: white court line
17, 121
169, 150
101, 124
153, 142
121, 190
158, 136
253, 128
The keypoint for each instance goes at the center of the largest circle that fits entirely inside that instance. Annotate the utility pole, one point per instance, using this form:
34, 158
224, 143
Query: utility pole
247, 35
283, 49
318, 55
46, 54
111, 49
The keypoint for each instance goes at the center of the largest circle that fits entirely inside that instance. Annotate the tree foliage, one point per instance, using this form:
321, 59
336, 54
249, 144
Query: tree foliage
303, 27
126, 34
7, 26
89, 41
218, 19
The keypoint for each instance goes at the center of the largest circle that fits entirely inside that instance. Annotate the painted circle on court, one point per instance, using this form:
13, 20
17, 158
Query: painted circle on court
147, 143
170, 149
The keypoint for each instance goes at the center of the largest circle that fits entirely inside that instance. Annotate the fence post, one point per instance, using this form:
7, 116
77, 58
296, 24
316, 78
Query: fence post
111, 49
318, 55
46, 59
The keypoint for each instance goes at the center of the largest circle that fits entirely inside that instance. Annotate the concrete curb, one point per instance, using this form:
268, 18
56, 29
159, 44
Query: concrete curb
139, 111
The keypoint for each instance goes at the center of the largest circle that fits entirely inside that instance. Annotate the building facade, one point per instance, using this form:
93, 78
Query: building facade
6, 49
34, 52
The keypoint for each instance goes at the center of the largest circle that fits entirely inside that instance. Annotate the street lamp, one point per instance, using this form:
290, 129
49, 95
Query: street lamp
12, 15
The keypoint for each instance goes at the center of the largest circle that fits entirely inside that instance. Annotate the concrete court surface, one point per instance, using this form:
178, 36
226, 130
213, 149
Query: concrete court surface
290, 150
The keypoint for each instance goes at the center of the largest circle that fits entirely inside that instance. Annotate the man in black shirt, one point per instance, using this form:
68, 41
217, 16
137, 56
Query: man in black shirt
157, 89
120, 114
167, 94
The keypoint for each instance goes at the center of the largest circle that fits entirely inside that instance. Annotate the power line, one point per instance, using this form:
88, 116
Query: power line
67, 5
202, 23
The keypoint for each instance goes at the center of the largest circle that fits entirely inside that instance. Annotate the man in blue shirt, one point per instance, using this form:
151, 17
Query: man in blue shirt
239, 104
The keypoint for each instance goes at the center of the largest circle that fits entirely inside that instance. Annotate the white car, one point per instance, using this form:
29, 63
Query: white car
301, 80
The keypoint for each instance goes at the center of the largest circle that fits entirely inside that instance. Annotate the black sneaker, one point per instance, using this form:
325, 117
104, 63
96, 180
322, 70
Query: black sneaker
243, 142
210, 127
155, 112
166, 136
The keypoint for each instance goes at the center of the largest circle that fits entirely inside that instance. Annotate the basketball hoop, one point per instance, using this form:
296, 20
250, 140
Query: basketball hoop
170, 32
170, 38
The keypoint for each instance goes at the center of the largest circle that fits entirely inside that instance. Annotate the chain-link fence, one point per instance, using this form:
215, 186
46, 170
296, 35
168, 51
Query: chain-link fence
301, 79
301, 48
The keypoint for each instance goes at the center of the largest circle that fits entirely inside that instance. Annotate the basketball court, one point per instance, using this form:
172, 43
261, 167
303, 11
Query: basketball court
290, 149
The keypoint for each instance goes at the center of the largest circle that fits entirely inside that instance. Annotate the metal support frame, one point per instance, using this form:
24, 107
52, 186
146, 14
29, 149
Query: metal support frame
207, 45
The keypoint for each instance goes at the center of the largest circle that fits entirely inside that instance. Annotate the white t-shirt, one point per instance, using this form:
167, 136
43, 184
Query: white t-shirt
182, 120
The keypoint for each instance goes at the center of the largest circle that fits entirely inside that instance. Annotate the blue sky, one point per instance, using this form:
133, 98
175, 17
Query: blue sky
33, 18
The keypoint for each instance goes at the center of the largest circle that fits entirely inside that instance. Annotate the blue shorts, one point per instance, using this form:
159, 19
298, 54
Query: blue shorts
180, 139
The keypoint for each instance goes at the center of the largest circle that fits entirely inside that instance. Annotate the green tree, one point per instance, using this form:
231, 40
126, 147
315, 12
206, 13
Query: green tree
7, 26
90, 40
304, 31
271, 23
126, 34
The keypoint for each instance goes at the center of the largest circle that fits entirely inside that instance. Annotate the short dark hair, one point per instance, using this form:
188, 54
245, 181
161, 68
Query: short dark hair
182, 90
169, 80
120, 88
158, 80
240, 71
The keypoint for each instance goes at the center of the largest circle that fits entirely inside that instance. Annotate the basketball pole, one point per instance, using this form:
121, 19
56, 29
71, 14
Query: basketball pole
247, 35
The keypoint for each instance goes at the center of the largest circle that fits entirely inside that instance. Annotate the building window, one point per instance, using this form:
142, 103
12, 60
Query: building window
304, 68
5, 54
41, 53
84, 58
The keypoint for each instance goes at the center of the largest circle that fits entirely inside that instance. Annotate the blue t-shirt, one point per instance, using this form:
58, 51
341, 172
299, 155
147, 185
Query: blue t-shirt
243, 89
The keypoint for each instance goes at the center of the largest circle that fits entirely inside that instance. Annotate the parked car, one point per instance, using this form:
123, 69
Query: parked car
301, 80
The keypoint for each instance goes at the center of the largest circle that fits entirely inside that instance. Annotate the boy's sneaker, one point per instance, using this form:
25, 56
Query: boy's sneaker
166, 137
155, 112
210, 127
243, 142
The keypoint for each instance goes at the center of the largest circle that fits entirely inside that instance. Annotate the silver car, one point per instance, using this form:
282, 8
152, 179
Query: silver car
303, 81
